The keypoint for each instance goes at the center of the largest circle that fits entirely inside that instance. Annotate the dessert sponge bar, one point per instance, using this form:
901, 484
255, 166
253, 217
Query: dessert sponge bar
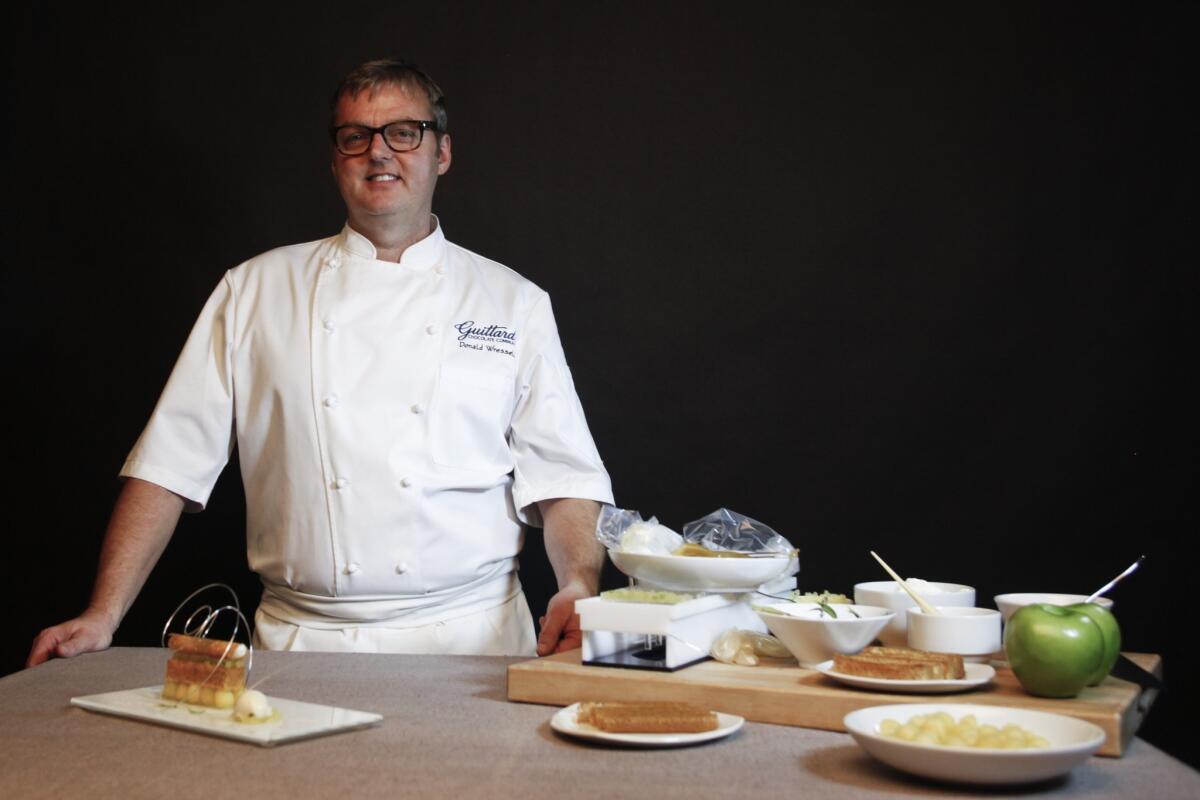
211, 648
206, 673
899, 663
646, 717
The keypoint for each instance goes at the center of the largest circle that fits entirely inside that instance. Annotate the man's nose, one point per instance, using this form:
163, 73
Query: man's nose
379, 148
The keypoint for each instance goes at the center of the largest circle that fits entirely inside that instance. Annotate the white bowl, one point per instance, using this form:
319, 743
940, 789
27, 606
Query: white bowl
888, 594
700, 574
812, 636
1072, 741
970, 632
1009, 603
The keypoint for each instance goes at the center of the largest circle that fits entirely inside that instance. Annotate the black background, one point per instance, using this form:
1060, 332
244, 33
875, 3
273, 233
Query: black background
912, 277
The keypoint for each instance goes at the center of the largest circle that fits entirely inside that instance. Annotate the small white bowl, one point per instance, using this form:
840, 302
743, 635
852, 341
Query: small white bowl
888, 594
813, 637
1072, 741
1009, 603
973, 633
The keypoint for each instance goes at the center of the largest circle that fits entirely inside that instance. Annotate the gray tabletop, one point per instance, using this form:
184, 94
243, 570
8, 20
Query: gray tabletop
447, 730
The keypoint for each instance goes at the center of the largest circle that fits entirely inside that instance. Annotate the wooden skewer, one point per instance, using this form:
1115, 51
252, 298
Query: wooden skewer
928, 609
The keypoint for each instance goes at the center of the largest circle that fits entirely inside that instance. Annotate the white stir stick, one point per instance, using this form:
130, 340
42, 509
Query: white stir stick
928, 609
1130, 569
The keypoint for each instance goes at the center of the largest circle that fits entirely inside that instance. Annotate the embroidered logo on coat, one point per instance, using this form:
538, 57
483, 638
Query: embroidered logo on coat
491, 338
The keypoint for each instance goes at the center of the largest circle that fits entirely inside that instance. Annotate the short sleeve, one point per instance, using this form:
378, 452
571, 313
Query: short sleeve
190, 435
553, 452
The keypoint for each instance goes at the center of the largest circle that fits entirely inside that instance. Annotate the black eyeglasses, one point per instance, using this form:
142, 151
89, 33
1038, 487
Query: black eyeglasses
402, 136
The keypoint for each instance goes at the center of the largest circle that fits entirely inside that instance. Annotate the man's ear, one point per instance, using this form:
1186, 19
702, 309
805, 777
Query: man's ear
443, 154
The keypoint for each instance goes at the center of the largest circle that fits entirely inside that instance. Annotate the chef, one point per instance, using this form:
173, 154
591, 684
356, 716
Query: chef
400, 407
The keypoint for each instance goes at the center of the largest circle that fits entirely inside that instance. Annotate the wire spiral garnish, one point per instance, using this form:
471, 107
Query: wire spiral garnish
201, 621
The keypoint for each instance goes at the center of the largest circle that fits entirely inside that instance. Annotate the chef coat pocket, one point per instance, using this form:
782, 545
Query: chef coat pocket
469, 420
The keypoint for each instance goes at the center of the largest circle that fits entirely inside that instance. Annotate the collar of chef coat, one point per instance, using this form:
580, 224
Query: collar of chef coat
422, 255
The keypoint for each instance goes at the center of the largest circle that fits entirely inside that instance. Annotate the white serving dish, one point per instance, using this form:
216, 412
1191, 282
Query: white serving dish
888, 594
814, 637
971, 632
1009, 603
294, 721
699, 574
1072, 741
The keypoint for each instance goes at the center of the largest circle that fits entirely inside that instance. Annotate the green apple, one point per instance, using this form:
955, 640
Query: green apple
1112, 636
1053, 651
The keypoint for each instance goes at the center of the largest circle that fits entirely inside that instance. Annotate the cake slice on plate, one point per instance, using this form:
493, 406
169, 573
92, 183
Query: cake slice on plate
208, 672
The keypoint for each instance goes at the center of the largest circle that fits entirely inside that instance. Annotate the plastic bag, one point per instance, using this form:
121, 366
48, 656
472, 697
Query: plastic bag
743, 647
728, 530
625, 531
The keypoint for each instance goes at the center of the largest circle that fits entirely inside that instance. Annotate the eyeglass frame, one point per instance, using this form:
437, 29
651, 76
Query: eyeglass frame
422, 125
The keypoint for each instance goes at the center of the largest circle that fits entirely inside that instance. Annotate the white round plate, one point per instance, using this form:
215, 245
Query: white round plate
1072, 741
564, 721
977, 675
699, 574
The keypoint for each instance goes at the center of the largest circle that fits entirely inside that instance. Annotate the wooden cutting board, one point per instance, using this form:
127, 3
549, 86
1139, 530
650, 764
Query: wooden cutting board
784, 694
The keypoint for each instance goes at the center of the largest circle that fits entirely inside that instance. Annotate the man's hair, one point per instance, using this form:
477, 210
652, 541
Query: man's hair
374, 75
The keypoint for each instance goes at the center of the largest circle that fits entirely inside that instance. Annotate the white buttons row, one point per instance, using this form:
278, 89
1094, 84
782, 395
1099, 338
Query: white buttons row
332, 402
342, 483
353, 568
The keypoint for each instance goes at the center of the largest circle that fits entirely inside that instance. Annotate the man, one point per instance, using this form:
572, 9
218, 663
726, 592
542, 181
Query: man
400, 406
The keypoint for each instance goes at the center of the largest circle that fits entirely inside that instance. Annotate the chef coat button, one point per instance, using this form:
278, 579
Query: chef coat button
405, 482
329, 325
331, 401
431, 329
333, 262
440, 270
351, 568
417, 408
341, 483
401, 568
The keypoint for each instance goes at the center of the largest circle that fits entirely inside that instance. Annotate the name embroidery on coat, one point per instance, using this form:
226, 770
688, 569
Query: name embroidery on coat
490, 338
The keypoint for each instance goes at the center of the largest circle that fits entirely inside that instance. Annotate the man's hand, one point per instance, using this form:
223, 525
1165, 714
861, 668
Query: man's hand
560, 626
86, 633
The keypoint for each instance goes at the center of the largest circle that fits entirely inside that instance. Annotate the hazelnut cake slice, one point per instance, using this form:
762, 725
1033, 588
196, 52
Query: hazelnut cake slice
209, 672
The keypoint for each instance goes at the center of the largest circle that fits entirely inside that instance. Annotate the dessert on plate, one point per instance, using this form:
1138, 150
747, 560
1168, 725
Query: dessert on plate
646, 717
208, 672
901, 663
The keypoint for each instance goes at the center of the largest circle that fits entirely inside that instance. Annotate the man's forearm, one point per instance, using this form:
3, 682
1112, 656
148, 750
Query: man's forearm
571, 546
576, 556
142, 522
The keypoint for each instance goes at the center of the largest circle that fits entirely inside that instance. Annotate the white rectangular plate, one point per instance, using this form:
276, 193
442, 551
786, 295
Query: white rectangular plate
293, 719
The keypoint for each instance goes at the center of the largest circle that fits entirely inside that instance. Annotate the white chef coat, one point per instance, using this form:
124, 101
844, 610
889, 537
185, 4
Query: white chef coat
395, 423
